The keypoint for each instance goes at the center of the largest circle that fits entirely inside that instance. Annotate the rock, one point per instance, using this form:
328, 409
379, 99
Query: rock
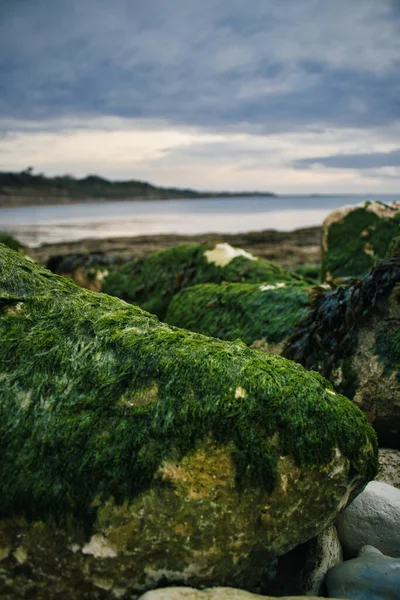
303, 569
352, 337
153, 281
86, 270
261, 315
371, 576
134, 455
217, 593
389, 467
356, 238
11, 242
373, 518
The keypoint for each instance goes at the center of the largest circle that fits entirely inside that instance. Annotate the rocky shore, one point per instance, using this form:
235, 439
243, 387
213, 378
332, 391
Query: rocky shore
144, 459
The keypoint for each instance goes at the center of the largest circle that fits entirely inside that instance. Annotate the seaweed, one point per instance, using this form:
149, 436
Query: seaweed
152, 282
328, 335
359, 241
241, 310
97, 394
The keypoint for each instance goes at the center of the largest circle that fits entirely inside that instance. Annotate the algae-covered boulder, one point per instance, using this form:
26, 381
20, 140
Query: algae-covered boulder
11, 242
86, 270
153, 281
352, 337
356, 238
262, 315
135, 454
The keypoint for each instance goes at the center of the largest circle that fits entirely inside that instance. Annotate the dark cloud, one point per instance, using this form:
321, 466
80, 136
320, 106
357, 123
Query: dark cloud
375, 160
274, 66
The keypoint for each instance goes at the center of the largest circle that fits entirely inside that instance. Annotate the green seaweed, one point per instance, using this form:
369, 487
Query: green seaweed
240, 310
11, 242
327, 337
96, 394
153, 281
349, 238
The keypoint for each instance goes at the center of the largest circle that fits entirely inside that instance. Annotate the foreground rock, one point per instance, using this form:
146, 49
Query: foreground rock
217, 593
373, 518
134, 454
263, 315
352, 337
356, 238
371, 576
152, 282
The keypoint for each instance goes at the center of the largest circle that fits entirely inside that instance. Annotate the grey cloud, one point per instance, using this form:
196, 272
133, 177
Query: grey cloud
376, 160
273, 66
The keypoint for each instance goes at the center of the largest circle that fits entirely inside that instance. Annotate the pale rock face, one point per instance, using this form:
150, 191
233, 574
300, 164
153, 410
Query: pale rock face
223, 254
373, 518
389, 467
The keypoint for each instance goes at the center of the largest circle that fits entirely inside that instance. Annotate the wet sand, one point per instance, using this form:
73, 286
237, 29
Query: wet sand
288, 248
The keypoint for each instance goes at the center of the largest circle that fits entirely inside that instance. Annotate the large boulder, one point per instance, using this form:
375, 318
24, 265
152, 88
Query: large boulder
263, 315
133, 454
373, 519
352, 337
356, 238
152, 282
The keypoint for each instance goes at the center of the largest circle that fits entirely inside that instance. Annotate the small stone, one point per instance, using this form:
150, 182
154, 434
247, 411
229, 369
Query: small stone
371, 576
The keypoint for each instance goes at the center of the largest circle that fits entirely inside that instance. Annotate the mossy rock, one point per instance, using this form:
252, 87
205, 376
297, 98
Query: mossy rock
352, 337
10, 241
134, 454
153, 281
86, 270
262, 315
355, 239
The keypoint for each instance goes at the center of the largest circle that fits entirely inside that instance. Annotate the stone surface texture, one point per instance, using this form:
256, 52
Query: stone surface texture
217, 593
373, 518
389, 467
371, 576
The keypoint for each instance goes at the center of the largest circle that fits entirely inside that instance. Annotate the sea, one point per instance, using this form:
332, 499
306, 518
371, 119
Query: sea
35, 226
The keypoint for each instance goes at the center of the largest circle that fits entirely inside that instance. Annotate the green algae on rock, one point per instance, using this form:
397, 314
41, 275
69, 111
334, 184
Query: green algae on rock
261, 315
153, 281
11, 242
351, 336
134, 453
354, 239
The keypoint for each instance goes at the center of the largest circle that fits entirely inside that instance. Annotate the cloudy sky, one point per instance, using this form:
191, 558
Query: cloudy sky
293, 96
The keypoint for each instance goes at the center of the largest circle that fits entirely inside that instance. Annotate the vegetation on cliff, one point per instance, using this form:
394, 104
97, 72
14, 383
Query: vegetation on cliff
27, 185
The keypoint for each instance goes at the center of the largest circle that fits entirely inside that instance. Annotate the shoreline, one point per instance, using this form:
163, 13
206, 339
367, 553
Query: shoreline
288, 248
11, 202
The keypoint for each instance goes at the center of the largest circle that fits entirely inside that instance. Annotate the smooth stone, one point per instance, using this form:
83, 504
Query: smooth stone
373, 518
217, 593
371, 576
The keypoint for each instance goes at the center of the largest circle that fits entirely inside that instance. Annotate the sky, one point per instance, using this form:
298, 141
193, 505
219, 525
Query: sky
289, 96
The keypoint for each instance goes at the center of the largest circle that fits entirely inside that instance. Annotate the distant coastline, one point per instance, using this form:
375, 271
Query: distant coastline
28, 189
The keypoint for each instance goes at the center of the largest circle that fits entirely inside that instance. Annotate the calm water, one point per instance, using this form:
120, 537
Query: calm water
48, 224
